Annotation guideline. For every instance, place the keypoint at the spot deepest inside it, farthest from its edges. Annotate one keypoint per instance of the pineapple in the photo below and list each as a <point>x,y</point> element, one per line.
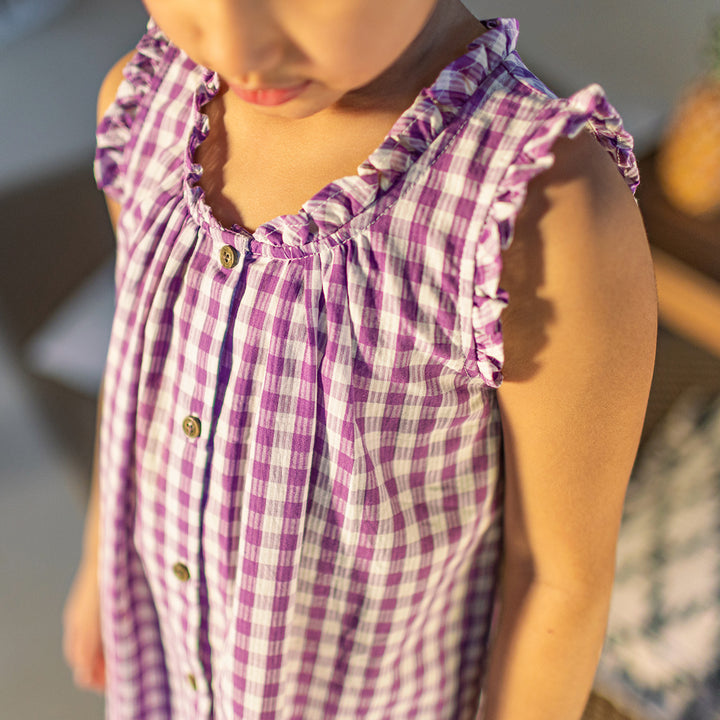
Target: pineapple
<point>688,160</point>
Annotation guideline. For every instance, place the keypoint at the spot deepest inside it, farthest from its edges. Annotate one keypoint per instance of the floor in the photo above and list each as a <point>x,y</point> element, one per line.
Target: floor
<point>41,508</point>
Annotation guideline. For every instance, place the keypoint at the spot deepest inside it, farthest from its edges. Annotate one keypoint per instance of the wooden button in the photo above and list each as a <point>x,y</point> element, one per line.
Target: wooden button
<point>191,426</point>
<point>181,572</point>
<point>228,256</point>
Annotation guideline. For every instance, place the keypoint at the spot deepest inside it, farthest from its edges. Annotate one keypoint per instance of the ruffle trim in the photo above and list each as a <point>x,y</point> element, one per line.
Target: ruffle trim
<point>194,194</point>
<point>114,130</point>
<point>558,118</point>
<point>409,138</point>
<point>438,105</point>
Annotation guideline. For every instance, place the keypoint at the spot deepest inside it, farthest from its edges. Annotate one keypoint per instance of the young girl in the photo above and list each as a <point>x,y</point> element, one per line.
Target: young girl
<point>321,456</point>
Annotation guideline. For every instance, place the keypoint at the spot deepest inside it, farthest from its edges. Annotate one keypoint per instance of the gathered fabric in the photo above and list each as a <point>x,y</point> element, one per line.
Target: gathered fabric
<point>300,458</point>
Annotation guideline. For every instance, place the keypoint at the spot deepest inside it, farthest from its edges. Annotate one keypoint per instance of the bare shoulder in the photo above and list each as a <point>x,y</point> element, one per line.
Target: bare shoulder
<point>579,336</point>
<point>580,254</point>
<point>111,83</point>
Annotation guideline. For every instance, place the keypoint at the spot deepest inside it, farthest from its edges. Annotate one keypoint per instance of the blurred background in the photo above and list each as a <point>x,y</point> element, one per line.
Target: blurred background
<point>663,654</point>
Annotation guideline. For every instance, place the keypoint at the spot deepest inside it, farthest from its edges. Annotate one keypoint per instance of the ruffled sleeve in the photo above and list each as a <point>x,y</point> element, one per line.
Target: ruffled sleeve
<point>558,117</point>
<point>114,132</point>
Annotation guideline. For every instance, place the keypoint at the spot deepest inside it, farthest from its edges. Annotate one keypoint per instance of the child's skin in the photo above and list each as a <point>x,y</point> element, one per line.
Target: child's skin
<point>579,332</point>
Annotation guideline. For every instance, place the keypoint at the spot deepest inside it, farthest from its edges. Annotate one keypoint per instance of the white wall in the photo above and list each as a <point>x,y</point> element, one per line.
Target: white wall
<point>642,51</point>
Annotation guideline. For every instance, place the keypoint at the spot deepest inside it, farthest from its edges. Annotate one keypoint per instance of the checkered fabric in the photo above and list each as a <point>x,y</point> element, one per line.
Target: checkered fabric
<point>301,505</point>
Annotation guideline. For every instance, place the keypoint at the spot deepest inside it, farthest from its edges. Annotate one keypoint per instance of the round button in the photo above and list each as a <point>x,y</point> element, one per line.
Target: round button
<point>191,426</point>
<point>181,572</point>
<point>228,256</point>
<point>192,682</point>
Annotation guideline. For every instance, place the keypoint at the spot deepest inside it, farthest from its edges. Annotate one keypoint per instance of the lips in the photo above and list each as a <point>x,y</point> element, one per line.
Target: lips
<point>269,96</point>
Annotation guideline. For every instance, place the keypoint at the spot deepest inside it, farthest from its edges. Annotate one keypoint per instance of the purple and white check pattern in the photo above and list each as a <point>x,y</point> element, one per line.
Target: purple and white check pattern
<point>338,517</point>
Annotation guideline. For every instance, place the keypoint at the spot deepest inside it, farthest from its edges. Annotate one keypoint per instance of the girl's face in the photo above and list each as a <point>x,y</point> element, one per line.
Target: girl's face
<point>293,58</point>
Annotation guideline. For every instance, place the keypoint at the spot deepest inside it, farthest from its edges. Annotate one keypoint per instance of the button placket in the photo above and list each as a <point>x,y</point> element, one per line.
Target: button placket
<point>197,396</point>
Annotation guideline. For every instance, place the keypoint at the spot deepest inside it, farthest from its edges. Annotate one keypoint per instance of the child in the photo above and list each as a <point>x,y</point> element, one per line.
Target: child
<point>308,465</point>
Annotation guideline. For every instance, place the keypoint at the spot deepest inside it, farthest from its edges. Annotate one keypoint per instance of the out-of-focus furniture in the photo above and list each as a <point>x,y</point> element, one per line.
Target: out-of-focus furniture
<point>686,252</point>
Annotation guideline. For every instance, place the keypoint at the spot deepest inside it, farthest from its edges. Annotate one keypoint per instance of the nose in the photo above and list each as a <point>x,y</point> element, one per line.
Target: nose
<point>247,42</point>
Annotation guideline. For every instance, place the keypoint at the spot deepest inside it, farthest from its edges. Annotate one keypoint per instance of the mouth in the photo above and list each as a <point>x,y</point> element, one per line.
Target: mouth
<point>269,96</point>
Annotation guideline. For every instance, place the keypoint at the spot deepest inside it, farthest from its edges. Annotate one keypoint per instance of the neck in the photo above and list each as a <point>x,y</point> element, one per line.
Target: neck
<point>444,38</point>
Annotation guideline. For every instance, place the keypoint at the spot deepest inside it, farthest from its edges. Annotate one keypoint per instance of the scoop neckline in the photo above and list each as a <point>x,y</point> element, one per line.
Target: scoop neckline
<point>321,218</point>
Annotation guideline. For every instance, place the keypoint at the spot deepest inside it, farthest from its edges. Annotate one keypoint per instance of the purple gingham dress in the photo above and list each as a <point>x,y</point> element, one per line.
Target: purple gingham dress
<point>300,444</point>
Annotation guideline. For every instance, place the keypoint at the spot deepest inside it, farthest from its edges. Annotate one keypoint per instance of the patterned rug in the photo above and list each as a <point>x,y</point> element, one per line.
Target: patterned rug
<point>662,655</point>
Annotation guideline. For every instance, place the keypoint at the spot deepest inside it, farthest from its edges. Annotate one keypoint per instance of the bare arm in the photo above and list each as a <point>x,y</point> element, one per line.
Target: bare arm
<point>82,644</point>
<point>579,342</point>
